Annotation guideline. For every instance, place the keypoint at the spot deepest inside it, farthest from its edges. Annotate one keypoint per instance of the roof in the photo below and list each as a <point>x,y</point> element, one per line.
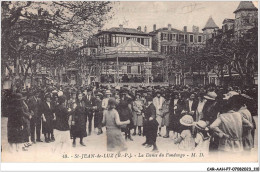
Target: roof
<point>124,30</point>
<point>245,5</point>
<point>166,29</point>
<point>210,24</point>
<point>131,51</point>
<point>228,21</point>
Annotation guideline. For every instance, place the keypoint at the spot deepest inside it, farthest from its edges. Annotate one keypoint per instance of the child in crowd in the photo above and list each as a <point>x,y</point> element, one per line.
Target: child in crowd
<point>202,137</point>
<point>186,141</point>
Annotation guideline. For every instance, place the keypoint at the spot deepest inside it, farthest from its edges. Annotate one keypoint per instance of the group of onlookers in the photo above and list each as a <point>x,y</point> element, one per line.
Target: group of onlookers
<point>204,119</point>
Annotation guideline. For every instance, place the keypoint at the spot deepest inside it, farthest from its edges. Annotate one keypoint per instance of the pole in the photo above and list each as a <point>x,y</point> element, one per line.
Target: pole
<point>148,71</point>
<point>117,70</point>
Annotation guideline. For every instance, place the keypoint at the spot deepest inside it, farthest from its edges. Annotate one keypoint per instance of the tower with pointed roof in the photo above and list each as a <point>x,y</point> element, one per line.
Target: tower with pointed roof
<point>209,28</point>
<point>245,17</point>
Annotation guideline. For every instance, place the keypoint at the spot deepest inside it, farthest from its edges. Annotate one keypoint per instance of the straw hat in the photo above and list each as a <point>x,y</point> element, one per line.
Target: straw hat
<point>230,94</point>
<point>202,125</point>
<point>108,92</point>
<point>210,96</point>
<point>186,120</point>
<point>60,93</point>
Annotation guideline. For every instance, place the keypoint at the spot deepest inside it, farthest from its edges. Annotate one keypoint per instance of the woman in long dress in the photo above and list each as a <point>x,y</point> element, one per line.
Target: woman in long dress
<point>115,141</point>
<point>15,124</point>
<point>137,114</point>
<point>166,115</point>
<point>228,127</point>
<point>78,127</point>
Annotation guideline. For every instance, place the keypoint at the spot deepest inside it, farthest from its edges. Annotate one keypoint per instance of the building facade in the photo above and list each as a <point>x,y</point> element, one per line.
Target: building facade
<point>173,42</point>
<point>110,38</point>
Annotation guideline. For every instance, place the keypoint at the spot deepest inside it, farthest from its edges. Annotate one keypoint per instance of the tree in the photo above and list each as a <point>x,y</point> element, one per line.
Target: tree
<point>63,24</point>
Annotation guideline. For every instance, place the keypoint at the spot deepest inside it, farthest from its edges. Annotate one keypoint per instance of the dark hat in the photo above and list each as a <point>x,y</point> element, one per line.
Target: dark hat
<point>73,92</point>
<point>138,93</point>
<point>99,94</point>
<point>47,95</point>
<point>149,98</point>
<point>158,92</point>
<point>62,99</point>
<point>55,95</point>
<point>19,96</point>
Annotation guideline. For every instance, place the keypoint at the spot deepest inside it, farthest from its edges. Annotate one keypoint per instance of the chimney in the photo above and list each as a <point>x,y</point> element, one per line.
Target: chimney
<point>169,27</point>
<point>154,27</point>
<point>145,29</point>
<point>121,27</point>
<point>139,28</point>
<point>185,29</point>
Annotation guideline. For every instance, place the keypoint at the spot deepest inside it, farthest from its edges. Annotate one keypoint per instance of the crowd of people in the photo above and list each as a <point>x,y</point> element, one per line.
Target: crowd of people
<point>205,118</point>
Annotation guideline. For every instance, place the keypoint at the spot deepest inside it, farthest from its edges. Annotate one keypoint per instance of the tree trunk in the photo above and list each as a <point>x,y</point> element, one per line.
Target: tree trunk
<point>230,81</point>
<point>222,75</point>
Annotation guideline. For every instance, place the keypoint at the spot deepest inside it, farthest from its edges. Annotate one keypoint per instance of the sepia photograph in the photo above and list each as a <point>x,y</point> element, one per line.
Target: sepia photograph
<point>129,81</point>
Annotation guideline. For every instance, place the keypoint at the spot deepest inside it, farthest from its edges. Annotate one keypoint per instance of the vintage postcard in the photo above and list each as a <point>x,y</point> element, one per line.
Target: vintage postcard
<point>129,81</point>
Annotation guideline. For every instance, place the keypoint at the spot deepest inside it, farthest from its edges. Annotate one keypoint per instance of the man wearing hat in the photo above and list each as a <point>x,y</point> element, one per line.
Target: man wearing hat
<point>105,100</point>
<point>98,113</point>
<point>90,107</point>
<point>150,125</point>
<point>210,109</point>
<point>210,112</point>
<point>48,117</point>
<point>34,104</point>
<point>158,102</point>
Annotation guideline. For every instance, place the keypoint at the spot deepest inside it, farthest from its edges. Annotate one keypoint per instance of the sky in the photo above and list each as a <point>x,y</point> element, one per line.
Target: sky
<point>179,13</point>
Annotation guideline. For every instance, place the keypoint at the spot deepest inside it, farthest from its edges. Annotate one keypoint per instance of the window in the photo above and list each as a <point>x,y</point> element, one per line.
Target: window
<point>128,69</point>
<point>164,49</point>
<point>246,20</point>
<point>199,38</point>
<point>139,69</point>
<point>113,40</point>
<point>164,36</point>
<point>138,40</point>
<point>127,38</point>
<point>191,38</point>
<point>173,36</point>
<point>181,38</point>
<point>170,49</point>
<point>142,41</point>
<point>117,40</point>
<point>169,37</point>
<point>146,42</point>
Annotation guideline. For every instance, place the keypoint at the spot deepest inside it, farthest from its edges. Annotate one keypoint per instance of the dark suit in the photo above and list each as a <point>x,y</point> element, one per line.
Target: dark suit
<point>89,103</point>
<point>26,121</point>
<point>47,126</point>
<point>36,123</point>
<point>193,107</point>
<point>150,126</point>
<point>98,114</point>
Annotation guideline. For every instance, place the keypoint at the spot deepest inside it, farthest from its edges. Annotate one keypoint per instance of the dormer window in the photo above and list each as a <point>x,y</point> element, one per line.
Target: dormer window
<point>191,38</point>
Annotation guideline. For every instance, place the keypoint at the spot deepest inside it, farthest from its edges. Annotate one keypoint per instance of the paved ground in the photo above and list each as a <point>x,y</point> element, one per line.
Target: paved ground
<point>96,145</point>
